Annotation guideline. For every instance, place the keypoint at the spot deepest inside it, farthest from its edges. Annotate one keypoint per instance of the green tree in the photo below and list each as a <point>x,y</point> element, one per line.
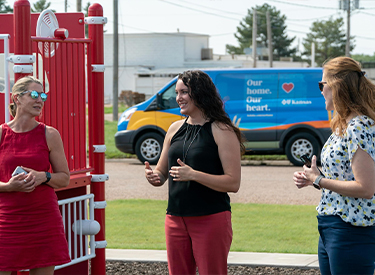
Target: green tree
<point>364,57</point>
<point>40,6</point>
<point>280,41</point>
<point>330,39</point>
<point>5,8</point>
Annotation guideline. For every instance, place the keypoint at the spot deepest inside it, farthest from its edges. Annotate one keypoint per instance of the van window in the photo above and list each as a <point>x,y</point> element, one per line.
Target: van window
<point>169,98</point>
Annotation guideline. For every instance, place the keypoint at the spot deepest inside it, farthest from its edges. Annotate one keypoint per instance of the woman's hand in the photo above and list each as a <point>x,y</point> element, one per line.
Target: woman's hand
<point>153,178</point>
<point>300,180</point>
<point>311,173</point>
<point>39,177</point>
<point>22,183</point>
<point>181,173</point>
<point>307,177</point>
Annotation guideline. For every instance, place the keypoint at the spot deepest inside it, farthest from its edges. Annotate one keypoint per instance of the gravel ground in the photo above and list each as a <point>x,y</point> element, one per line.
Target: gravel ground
<point>121,268</point>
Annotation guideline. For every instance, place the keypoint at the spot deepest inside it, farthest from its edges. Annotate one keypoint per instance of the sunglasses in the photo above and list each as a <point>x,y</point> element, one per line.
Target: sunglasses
<point>35,95</point>
<point>321,85</point>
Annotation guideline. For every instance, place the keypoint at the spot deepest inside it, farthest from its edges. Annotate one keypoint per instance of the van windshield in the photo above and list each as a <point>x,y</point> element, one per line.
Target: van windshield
<point>169,98</point>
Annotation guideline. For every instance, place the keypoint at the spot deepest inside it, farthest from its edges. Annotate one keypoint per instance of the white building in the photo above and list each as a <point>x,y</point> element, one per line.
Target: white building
<point>148,61</point>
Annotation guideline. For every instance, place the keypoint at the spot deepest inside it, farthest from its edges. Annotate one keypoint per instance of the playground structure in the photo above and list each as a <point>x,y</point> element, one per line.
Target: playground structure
<point>71,68</point>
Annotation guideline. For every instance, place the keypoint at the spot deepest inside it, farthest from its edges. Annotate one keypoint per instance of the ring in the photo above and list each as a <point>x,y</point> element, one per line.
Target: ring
<point>24,180</point>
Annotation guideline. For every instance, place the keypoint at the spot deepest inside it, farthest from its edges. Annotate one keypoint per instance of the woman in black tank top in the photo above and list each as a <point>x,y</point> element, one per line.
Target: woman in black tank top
<point>201,159</point>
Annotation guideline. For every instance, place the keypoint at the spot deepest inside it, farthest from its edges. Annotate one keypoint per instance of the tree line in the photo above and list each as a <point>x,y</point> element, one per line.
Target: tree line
<point>329,37</point>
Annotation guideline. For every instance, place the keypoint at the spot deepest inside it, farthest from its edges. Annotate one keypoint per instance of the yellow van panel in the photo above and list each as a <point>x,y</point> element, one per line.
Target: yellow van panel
<point>165,120</point>
<point>140,119</point>
<point>155,118</point>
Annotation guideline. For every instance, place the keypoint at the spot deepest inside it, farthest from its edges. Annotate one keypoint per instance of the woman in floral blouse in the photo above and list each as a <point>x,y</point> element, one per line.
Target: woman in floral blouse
<point>346,212</point>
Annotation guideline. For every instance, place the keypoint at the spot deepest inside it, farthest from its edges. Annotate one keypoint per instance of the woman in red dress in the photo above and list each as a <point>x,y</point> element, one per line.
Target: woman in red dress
<point>31,228</point>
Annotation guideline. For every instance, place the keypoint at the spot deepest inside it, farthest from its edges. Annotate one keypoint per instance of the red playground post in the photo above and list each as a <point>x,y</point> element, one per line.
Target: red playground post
<point>96,131</point>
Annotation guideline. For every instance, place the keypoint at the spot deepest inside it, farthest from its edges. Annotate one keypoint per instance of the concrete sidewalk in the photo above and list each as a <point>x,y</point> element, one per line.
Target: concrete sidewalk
<point>235,258</point>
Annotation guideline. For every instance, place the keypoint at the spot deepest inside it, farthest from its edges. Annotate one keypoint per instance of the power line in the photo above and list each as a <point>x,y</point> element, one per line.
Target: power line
<point>189,8</point>
<point>301,5</point>
<point>311,19</point>
<point>297,31</point>
<point>363,37</point>
<point>211,8</point>
<point>371,14</point>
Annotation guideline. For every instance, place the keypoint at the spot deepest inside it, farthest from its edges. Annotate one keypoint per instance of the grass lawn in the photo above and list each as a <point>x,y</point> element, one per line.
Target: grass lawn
<point>139,224</point>
<point>109,109</point>
<point>109,137</point>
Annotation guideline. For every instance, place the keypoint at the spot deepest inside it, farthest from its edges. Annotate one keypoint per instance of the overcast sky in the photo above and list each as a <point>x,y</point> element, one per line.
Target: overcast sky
<point>220,18</point>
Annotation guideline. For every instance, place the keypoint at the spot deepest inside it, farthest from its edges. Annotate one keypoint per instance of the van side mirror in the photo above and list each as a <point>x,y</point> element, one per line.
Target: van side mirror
<point>159,101</point>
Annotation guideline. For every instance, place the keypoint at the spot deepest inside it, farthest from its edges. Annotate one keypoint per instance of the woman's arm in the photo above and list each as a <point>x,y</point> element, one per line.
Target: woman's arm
<point>363,167</point>
<point>230,157</point>
<point>159,175</point>
<point>61,175</point>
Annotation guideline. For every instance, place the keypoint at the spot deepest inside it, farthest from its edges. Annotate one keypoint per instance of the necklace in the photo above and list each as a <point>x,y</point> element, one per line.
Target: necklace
<point>184,154</point>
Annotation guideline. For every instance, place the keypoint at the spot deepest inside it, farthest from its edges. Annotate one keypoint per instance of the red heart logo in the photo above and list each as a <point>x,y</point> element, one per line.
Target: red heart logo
<point>288,87</point>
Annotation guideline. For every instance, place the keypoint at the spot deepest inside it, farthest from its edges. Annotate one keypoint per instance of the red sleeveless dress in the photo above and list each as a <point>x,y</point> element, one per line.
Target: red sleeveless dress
<point>31,228</point>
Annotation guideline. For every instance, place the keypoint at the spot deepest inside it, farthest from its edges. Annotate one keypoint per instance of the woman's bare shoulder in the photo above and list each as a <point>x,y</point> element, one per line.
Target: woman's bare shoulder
<point>220,126</point>
<point>52,132</point>
<point>176,125</point>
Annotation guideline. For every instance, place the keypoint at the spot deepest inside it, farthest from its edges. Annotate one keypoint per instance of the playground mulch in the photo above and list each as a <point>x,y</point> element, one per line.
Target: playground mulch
<point>138,268</point>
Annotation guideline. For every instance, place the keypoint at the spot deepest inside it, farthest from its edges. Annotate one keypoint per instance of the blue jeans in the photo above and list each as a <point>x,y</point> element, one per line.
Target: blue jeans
<point>344,248</point>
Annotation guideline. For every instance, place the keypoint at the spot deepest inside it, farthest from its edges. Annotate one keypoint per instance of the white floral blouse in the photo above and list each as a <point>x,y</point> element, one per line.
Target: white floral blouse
<point>337,155</point>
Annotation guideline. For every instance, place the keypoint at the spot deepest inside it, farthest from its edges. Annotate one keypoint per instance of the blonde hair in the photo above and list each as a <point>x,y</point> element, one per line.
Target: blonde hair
<point>352,92</point>
<point>20,86</point>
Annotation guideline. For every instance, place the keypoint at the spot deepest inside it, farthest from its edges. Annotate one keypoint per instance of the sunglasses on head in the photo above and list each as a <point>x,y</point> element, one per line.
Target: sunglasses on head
<point>35,95</point>
<point>321,85</point>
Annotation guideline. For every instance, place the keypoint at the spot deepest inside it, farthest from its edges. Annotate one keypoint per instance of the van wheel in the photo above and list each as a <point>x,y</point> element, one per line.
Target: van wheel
<point>148,147</point>
<point>299,145</point>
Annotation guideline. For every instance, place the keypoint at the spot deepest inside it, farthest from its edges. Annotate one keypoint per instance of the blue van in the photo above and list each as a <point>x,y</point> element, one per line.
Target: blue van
<point>279,111</point>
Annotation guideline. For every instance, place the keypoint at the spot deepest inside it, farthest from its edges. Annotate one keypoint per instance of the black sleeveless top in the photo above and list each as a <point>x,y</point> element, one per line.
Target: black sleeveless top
<point>190,198</point>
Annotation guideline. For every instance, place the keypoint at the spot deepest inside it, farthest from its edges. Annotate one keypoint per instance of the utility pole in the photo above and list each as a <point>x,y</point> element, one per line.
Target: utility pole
<point>347,47</point>
<point>313,55</point>
<point>66,5</point>
<point>269,35</point>
<point>115,61</point>
<point>255,38</point>
<point>348,6</point>
<point>79,5</point>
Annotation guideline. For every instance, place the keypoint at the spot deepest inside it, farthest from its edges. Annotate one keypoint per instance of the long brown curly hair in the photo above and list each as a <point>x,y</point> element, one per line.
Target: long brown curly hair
<point>352,92</point>
<point>205,96</point>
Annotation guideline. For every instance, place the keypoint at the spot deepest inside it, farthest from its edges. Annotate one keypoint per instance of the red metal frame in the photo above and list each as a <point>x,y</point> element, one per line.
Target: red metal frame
<point>67,76</point>
<point>96,130</point>
<point>22,33</point>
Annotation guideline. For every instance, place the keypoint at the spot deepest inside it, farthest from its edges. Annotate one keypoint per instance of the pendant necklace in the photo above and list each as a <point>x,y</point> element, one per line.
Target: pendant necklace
<point>184,154</point>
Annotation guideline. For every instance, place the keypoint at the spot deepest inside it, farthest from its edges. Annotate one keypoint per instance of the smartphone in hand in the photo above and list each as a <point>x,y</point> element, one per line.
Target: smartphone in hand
<point>18,170</point>
<point>307,161</point>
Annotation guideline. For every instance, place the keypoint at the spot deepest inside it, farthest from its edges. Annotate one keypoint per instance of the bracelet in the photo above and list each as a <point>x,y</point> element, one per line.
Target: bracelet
<point>317,181</point>
<point>48,176</point>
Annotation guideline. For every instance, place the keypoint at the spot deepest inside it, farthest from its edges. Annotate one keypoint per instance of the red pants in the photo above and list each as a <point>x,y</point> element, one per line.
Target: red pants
<point>202,241</point>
